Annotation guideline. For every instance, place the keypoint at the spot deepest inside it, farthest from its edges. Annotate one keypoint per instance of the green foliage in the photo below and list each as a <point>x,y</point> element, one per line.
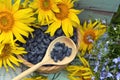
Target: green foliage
<point>116,17</point>
<point>114,38</point>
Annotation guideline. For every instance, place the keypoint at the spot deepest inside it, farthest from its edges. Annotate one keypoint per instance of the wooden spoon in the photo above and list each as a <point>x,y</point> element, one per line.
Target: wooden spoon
<point>47,58</point>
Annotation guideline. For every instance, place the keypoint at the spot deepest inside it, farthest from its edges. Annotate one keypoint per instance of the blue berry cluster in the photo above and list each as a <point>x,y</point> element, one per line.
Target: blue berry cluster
<point>37,44</point>
<point>60,51</point>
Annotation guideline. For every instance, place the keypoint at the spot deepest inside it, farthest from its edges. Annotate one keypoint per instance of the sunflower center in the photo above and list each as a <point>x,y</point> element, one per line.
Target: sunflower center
<point>64,11</point>
<point>45,4</point>
<point>6,50</point>
<point>89,37</point>
<point>6,21</point>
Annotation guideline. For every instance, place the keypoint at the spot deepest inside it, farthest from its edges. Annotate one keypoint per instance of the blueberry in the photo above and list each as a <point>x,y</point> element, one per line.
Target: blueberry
<point>29,56</point>
<point>52,38</point>
<point>68,53</point>
<point>46,41</point>
<point>60,56</point>
<point>34,62</point>
<point>43,51</point>
<point>39,40</point>
<point>59,32</point>
<point>58,49</point>
<point>32,53</point>
<point>55,59</point>
<point>44,28</point>
<point>26,57</point>
<point>37,45</point>
<point>65,49</point>
<point>39,58</point>
<point>57,44</point>
<point>62,44</point>
<point>52,54</point>
<point>30,41</point>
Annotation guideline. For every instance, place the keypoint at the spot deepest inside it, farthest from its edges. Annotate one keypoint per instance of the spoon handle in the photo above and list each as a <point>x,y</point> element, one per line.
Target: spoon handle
<point>28,71</point>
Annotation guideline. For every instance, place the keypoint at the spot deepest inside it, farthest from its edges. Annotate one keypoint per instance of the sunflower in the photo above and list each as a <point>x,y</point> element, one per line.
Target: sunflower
<point>45,9</point>
<point>14,21</point>
<point>80,72</point>
<point>76,72</point>
<point>89,33</point>
<point>8,53</point>
<point>66,18</point>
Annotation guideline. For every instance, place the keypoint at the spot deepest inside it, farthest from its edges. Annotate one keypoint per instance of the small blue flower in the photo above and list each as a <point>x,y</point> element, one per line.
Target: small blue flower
<point>113,66</point>
<point>103,68</point>
<point>103,75</point>
<point>118,76</point>
<point>109,74</point>
<point>96,69</point>
<point>99,56</point>
<point>119,66</point>
<point>116,60</point>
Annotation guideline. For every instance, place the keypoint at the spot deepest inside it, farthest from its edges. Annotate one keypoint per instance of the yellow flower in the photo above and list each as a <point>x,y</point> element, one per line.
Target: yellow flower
<point>8,54</point>
<point>45,10</point>
<point>36,78</point>
<point>66,18</point>
<point>79,73</point>
<point>89,33</point>
<point>83,60</point>
<point>14,21</point>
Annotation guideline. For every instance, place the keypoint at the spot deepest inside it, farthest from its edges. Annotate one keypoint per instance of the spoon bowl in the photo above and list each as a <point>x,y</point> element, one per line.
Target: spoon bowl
<point>47,58</point>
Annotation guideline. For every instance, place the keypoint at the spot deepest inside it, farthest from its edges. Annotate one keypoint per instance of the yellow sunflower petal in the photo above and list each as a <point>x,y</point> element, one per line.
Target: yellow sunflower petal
<point>16,6</point>
<point>11,37</point>
<point>83,60</point>
<point>8,4</point>
<point>23,26</point>
<point>2,36</point>
<point>20,48</point>
<point>7,37</point>
<point>95,23</point>
<point>27,20</point>
<point>86,74</point>
<point>84,25</point>
<point>71,68</point>
<point>34,4</point>
<point>22,32</point>
<point>9,64</point>
<point>5,65</point>
<point>0,63</point>
<point>1,48</point>
<point>55,8</point>
<point>65,27</point>
<point>54,27</point>
<point>90,47</point>
<point>70,29</point>
<point>40,17</point>
<point>76,11</point>
<point>23,14</point>
<point>13,60</point>
<point>19,52</point>
<point>18,36</point>
<point>74,18</point>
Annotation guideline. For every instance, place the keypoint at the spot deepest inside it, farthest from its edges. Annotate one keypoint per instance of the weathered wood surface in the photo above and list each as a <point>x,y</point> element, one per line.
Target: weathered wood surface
<point>97,9</point>
<point>93,9</point>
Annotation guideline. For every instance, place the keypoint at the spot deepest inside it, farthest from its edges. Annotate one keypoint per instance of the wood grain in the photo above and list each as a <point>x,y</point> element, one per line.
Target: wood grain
<point>97,9</point>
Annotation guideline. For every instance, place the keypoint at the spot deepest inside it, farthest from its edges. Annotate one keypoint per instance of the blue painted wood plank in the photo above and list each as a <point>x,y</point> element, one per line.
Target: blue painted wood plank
<point>97,9</point>
<point>91,14</point>
<point>102,5</point>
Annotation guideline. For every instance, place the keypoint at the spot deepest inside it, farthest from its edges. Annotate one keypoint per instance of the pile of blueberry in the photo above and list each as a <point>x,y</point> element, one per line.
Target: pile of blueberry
<point>37,44</point>
<point>60,51</point>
